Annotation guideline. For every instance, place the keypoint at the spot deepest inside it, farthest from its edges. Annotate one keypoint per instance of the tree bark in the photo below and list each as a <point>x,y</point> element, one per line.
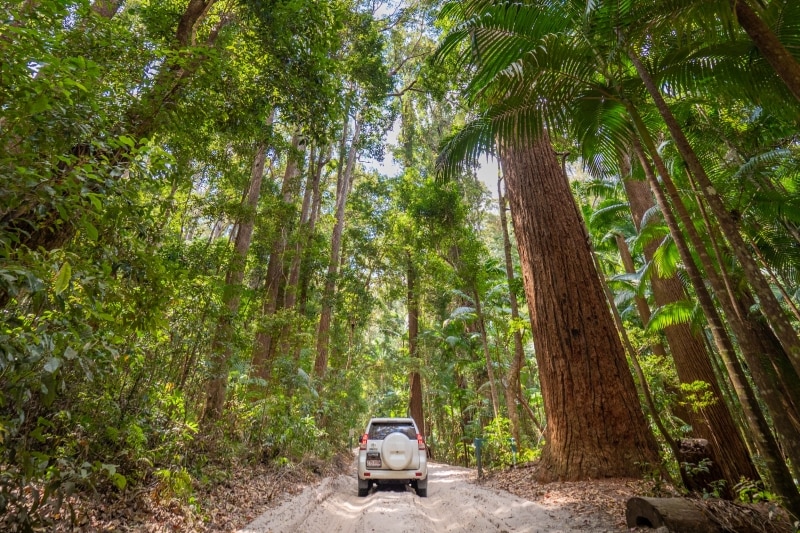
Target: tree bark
<point>342,190</point>
<point>761,435</point>
<point>596,427</point>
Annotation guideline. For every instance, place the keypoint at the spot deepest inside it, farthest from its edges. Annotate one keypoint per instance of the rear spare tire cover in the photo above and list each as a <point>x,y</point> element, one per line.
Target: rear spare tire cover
<point>396,451</point>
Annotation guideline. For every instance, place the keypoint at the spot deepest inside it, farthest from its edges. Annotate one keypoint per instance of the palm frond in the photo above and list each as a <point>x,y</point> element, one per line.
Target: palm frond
<point>672,314</point>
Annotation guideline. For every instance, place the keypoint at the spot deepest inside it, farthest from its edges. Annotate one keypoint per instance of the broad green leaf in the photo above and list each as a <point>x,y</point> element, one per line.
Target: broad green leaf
<point>52,364</point>
<point>91,231</point>
<point>62,278</point>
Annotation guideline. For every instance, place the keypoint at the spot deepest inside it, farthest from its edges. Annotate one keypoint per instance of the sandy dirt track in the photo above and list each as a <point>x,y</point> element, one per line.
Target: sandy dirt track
<point>454,503</point>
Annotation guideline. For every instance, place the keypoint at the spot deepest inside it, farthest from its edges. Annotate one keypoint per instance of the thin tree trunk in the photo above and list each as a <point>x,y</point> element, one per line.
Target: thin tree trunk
<point>514,388</point>
<point>642,307</point>
<point>342,189</point>
<point>760,432</point>
<point>263,355</point>
<point>693,363</point>
<point>775,389</point>
<point>638,372</point>
<point>486,354</point>
<point>415,406</point>
<point>221,344</point>
<point>596,427</point>
<point>769,303</point>
<point>774,52</point>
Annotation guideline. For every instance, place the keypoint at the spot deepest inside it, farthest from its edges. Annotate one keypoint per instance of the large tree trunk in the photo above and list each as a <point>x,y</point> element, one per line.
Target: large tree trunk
<point>769,303</point>
<point>415,405</point>
<point>693,362</point>
<point>596,427</point>
<point>342,190</point>
<point>775,53</point>
<point>513,389</point>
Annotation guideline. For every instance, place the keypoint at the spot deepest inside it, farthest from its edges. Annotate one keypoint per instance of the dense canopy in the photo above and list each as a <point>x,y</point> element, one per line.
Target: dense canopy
<point>232,231</point>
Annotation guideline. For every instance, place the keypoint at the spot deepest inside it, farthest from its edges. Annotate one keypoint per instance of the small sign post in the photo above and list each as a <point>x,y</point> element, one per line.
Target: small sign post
<point>478,443</point>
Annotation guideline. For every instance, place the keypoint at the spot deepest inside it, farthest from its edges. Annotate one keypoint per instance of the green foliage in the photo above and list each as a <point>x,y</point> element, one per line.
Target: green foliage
<point>698,395</point>
<point>749,491</point>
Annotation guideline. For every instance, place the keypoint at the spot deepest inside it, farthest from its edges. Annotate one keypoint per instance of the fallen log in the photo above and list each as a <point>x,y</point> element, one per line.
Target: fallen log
<point>678,515</point>
<point>686,515</point>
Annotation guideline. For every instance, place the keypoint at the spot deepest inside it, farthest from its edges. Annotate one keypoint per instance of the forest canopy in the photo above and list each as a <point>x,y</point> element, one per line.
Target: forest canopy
<point>231,231</point>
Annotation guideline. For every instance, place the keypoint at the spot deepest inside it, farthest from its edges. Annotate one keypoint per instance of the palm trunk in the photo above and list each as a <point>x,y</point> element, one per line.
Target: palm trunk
<point>693,363</point>
<point>596,427</point>
<point>776,54</point>
<point>342,190</point>
<point>642,307</point>
<point>769,303</point>
<point>765,442</point>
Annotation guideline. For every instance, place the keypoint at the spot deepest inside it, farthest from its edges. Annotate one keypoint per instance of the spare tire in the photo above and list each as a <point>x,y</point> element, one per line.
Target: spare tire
<point>397,450</point>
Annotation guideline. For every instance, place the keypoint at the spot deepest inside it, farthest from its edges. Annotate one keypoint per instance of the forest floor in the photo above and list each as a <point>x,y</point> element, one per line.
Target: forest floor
<point>321,497</point>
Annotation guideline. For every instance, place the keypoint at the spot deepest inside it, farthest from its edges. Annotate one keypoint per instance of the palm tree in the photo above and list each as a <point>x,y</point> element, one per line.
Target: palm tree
<point>538,66</point>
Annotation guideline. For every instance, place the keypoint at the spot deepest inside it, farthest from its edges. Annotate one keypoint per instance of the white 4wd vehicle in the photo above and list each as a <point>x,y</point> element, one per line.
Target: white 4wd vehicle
<point>390,451</point>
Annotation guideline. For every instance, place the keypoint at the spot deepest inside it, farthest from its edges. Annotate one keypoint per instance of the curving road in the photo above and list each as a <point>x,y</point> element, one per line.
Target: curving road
<point>454,503</point>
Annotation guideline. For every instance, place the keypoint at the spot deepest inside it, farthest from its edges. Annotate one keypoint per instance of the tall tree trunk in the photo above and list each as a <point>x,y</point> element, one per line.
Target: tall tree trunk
<point>596,427</point>
<point>769,303</point>
<point>264,353</point>
<point>514,389</point>
<point>761,435</point>
<point>775,53</point>
<point>415,405</point>
<point>693,362</point>
<point>487,355</point>
<point>342,190</point>
<point>221,344</point>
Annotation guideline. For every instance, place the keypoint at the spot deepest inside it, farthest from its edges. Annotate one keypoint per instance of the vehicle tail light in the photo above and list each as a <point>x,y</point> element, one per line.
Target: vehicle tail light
<point>420,442</point>
<point>363,445</point>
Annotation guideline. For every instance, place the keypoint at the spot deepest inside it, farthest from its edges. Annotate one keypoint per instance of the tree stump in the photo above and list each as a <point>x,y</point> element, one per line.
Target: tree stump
<point>703,473</point>
<point>678,515</point>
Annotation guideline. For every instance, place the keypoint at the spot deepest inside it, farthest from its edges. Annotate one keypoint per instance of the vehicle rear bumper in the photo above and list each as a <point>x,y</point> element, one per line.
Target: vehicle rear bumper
<point>380,474</point>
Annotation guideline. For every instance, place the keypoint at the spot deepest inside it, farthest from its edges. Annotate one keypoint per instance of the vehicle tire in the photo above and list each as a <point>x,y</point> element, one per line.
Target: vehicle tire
<point>422,493</point>
<point>363,487</point>
<point>397,450</point>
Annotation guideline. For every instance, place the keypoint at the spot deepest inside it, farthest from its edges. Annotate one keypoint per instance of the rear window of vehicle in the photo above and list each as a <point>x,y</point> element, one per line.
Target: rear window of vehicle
<point>380,430</point>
